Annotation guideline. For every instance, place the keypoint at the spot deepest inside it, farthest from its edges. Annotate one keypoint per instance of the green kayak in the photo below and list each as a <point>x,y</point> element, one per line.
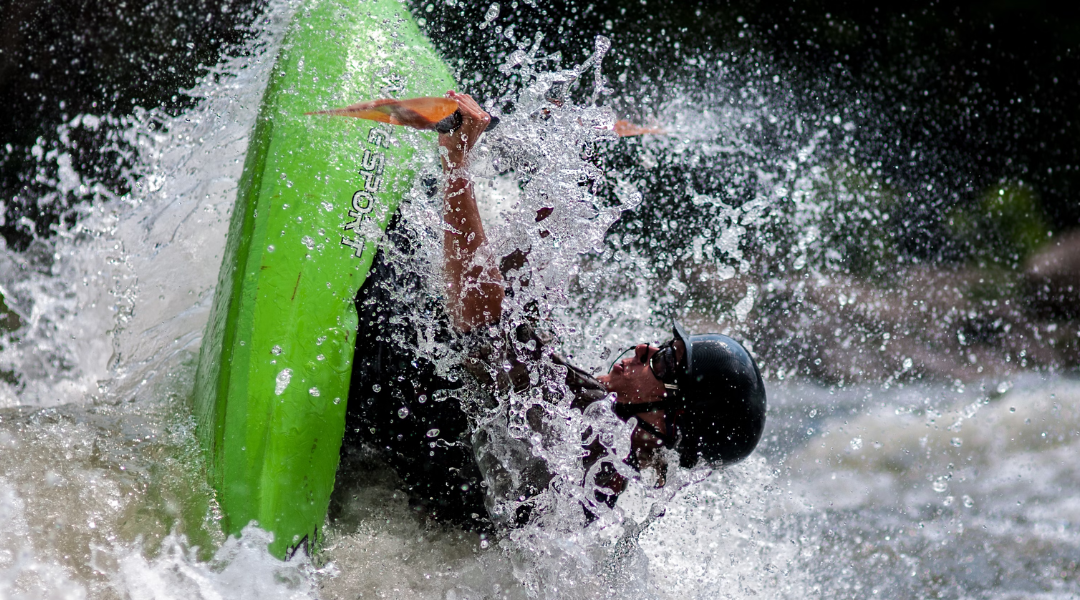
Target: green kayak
<point>316,192</point>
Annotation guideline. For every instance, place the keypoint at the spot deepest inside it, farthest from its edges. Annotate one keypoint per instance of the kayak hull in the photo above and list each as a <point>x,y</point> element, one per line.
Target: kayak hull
<point>315,194</point>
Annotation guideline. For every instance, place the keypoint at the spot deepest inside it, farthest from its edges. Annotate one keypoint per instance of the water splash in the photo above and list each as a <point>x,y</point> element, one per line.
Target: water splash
<point>543,188</point>
<point>76,292</point>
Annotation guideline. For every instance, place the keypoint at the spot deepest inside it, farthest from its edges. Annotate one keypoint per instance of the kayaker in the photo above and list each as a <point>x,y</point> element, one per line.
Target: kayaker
<point>701,395</point>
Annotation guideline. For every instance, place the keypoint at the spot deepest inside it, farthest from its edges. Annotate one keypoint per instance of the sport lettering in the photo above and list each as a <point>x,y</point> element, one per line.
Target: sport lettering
<point>372,181</point>
<point>373,161</point>
<point>363,200</point>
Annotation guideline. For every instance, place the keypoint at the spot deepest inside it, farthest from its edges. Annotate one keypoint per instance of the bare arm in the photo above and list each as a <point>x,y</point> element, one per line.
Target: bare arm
<point>474,284</point>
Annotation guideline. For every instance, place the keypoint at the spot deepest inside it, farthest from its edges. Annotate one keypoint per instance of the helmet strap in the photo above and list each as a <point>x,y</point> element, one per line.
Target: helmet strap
<point>672,431</point>
<point>663,437</point>
<point>625,411</point>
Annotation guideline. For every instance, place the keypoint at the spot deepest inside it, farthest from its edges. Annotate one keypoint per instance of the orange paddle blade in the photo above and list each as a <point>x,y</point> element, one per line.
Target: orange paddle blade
<point>419,113</point>
<point>628,129</point>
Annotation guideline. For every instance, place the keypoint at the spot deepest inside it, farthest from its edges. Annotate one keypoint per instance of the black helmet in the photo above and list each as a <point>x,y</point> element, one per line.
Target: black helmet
<point>719,407</point>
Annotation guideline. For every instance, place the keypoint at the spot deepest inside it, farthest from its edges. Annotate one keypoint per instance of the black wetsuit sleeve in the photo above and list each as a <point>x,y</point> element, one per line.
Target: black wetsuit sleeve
<point>504,362</point>
<point>585,387</point>
<point>399,406</point>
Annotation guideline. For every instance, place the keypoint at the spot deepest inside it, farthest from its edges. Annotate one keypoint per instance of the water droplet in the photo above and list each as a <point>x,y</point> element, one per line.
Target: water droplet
<point>743,308</point>
<point>968,502</point>
<point>320,357</point>
<point>307,241</point>
<point>403,412</point>
<point>376,388</point>
<point>276,350</point>
<point>907,363</point>
<point>1012,409</point>
<point>314,391</point>
<point>957,442</point>
<point>282,381</point>
<point>270,248</point>
<point>948,500</point>
<point>856,443</point>
<point>434,432</point>
<point>940,486</point>
<point>421,399</point>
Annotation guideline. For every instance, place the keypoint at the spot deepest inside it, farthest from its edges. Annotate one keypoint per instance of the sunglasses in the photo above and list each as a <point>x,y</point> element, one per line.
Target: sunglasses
<point>663,364</point>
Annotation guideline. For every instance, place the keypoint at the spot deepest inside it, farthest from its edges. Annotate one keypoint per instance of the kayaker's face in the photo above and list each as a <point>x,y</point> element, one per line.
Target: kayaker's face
<point>633,382</point>
<point>631,378</point>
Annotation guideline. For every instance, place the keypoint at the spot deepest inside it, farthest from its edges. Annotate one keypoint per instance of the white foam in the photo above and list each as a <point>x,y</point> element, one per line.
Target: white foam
<point>241,569</point>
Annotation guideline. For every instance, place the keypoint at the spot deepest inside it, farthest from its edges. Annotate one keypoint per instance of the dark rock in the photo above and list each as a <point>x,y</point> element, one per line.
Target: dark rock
<point>1052,276</point>
<point>930,323</point>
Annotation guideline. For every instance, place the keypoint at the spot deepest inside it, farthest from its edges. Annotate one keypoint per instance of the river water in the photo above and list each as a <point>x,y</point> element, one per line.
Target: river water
<point>899,488</point>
